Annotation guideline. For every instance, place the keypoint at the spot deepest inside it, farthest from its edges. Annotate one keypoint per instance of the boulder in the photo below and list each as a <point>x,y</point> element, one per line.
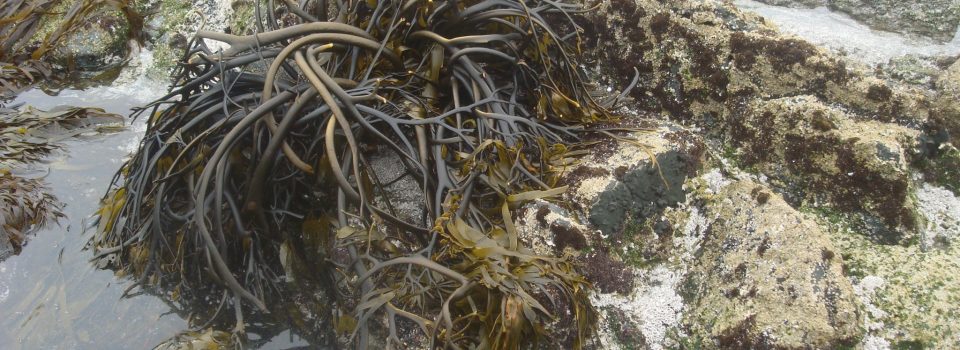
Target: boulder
<point>86,37</point>
<point>100,42</point>
<point>819,155</point>
<point>767,277</point>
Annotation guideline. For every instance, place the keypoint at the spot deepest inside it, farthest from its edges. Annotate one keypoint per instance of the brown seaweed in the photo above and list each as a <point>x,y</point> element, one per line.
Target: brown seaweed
<point>259,159</point>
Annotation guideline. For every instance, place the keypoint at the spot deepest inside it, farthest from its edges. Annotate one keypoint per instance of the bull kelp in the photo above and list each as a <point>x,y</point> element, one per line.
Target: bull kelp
<point>258,167</point>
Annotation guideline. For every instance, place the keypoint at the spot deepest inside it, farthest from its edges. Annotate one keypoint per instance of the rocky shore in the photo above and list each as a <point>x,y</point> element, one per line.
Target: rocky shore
<point>774,195</point>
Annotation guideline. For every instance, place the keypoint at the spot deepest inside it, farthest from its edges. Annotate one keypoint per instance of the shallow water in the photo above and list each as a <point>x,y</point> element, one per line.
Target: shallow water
<point>51,297</point>
<point>843,34</point>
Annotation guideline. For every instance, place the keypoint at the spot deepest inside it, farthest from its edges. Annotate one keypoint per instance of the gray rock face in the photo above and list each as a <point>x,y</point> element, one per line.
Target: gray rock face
<point>937,19</point>
<point>639,193</point>
<point>767,277</point>
<point>623,182</point>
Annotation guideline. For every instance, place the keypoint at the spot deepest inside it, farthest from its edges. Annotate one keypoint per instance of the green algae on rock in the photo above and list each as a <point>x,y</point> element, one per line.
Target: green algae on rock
<point>910,295</point>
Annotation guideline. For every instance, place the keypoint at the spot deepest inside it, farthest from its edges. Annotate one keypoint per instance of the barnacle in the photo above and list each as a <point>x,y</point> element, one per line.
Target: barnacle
<point>259,161</point>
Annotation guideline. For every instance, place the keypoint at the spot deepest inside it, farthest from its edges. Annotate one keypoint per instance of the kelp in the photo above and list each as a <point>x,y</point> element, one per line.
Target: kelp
<point>258,168</point>
<point>26,205</point>
<point>207,339</point>
<point>14,78</point>
<point>28,134</point>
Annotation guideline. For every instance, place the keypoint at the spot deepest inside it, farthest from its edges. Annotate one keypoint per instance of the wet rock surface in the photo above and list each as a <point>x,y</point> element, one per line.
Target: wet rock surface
<point>97,44</point>
<point>85,36</point>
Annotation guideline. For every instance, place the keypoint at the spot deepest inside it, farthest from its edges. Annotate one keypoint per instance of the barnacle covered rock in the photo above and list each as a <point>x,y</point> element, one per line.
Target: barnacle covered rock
<point>821,136</point>
<point>822,156</point>
<point>766,276</point>
<point>706,64</point>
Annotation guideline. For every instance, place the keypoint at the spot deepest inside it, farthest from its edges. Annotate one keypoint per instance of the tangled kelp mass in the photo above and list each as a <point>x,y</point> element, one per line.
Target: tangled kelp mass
<point>258,165</point>
<point>14,78</point>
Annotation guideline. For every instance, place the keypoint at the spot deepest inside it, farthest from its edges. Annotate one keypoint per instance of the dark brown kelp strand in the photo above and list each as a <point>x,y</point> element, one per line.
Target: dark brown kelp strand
<point>266,154</point>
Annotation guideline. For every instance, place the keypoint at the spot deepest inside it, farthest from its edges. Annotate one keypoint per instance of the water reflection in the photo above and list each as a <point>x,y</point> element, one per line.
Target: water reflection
<point>51,297</point>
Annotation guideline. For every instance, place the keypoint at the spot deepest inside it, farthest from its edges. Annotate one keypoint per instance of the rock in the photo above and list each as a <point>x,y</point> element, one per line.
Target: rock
<point>647,317</point>
<point>939,157</point>
<point>645,177</point>
<point>100,42</point>
<point>615,192</point>
<point>636,181</point>
<point>914,69</point>
<point>909,294</point>
<point>937,19</point>
<point>706,64</point>
<point>173,24</point>
<point>767,277</point>
<point>947,103</point>
<point>940,209</point>
<point>820,155</point>
<point>701,60</point>
<point>98,37</point>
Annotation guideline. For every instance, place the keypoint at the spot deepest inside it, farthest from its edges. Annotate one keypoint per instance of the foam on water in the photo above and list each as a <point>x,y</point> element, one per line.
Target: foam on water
<point>843,34</point>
